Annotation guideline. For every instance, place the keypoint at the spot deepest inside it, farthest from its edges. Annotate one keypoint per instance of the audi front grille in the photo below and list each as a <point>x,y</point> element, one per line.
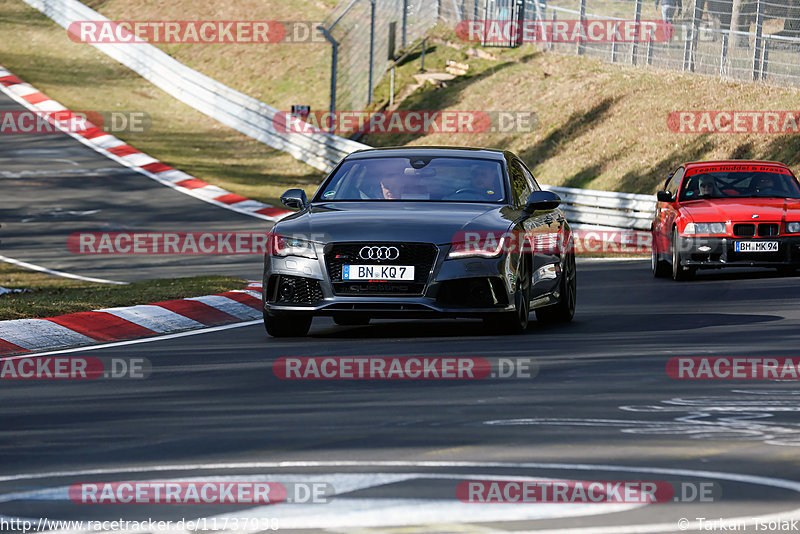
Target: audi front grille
<point>419,255</point>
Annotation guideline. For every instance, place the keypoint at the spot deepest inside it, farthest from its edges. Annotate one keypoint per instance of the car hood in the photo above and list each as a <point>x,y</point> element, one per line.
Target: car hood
<point>430,222</point>
<point>743,209</point>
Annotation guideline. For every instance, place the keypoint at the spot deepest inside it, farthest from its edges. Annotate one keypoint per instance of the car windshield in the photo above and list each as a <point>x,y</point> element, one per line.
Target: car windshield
<point>740,184</point>
<point>418,178</point>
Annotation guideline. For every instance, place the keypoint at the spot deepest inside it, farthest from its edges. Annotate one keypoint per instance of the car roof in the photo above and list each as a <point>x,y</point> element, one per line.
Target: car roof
<point>437,151</point>
<point>699,164</point>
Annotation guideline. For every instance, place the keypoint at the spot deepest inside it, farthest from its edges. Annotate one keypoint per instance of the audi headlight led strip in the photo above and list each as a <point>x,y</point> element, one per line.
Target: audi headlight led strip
<point>290,246</point>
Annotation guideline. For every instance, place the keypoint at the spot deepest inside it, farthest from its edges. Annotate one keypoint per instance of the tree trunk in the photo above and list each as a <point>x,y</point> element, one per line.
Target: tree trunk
<point>738,24</point>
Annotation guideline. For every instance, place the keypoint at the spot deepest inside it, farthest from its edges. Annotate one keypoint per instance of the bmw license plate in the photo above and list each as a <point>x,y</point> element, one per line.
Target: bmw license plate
<point>756,246</point>
<point>378,272</point>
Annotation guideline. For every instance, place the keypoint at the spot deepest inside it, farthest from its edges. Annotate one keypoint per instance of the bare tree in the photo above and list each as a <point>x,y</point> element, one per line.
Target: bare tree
<point>740,23</point>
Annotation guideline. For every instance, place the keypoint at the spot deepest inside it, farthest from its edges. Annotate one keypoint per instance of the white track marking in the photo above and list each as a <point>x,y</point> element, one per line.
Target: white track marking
<point>154,318</point>
<point>706,417</point>
<point>41,269</point>
<point>40,334</point>
<point>229,306</point>
<point>643,528</point>
<point>136,341</point>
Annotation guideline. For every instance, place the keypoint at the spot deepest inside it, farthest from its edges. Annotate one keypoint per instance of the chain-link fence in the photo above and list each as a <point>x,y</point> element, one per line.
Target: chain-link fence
<point>365,35</point>
<point>739,39</point>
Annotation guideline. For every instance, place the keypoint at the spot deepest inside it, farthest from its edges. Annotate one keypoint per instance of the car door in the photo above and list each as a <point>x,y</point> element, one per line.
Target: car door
<point>538,228</point>
<point>666,212</point>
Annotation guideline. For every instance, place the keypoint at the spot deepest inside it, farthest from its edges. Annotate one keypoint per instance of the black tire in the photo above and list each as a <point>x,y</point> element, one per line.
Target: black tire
<point>515,322</point>
<point>350,320</point>
<point>679,273</point>
<point>564,311</point>
<point>659,267</point>
<point>287,324</point>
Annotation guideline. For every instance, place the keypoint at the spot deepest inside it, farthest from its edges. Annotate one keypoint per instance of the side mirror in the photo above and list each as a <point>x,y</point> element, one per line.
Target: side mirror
<point>542,200</point>
<point>294,198</point>
<point>664,196</point>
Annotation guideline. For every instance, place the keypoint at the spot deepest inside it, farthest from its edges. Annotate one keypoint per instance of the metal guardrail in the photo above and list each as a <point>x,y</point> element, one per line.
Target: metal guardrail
<point>606,208</point>
<point>237,110</point>
<point>320,150</point>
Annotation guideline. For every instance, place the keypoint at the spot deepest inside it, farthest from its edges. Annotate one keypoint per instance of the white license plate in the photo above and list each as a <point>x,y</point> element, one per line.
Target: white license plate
<point>756,246</point>
<point>378,272</point>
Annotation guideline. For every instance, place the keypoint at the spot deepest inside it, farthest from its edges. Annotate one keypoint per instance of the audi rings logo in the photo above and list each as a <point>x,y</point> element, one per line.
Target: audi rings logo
<point>379,253</point>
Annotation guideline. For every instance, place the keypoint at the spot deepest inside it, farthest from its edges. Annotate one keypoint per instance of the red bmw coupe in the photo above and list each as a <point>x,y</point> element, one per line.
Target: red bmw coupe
<point>718,214</point>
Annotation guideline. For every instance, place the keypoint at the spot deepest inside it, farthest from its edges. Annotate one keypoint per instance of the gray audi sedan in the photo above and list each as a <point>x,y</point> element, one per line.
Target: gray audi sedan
<point>421,232</point>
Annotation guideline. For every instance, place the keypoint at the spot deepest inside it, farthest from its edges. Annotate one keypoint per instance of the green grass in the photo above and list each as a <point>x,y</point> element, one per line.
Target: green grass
<point>51,296</point>
<point>82,78</point>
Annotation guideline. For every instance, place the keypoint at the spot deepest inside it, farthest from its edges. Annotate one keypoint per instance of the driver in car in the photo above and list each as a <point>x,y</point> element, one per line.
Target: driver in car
<point>708,187</point>
<point>483,186</point>
<point>766,186</point>
<point>391,187</point>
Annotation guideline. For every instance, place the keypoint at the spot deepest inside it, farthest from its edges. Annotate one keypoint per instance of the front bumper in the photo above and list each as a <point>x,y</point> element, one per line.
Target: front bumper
<point>718,252</point>
<point>468,287</point>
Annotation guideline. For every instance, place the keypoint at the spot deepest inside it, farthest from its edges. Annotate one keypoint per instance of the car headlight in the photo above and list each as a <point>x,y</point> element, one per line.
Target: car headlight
<point>290,246</point>
<point>793,227</point>
<point>487,248</point>
<point>705,228</point>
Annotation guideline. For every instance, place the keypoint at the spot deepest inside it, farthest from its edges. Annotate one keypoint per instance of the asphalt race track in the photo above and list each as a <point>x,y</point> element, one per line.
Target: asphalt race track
<point>52,186</point>
<point>601,407</point>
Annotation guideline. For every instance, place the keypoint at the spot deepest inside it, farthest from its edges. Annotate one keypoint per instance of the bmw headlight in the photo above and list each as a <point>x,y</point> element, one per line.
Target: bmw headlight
<point>793,227</point>
<point>715,228</point>
<point>290,246</point>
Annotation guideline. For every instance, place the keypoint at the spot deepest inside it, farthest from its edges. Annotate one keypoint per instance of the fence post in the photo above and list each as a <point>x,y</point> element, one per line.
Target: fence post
<point>614,49</point>
<point>649,51</point>
<point>405,23</point>
<point>371,47</point>
<point>550,40</point>
<point>334,67</point>
<point>723,55</point>
<point>539,14</point>
<point>424,46</point>
<point>581,45</point>
<point>696,16</point>
<point>637,17</point>
<point>758,42</point>
<point>765,60</point>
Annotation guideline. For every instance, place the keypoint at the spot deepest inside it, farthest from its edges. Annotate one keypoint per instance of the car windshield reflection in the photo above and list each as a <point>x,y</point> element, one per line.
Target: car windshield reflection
<point>435,179</point>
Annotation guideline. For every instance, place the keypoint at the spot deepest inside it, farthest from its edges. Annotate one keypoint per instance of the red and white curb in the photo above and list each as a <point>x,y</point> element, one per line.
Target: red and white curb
<point>124,154</point>
<point>23,336</point>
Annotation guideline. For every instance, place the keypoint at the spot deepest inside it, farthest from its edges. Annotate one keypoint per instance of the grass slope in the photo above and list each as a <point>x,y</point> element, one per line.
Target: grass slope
<point>601,126</point>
